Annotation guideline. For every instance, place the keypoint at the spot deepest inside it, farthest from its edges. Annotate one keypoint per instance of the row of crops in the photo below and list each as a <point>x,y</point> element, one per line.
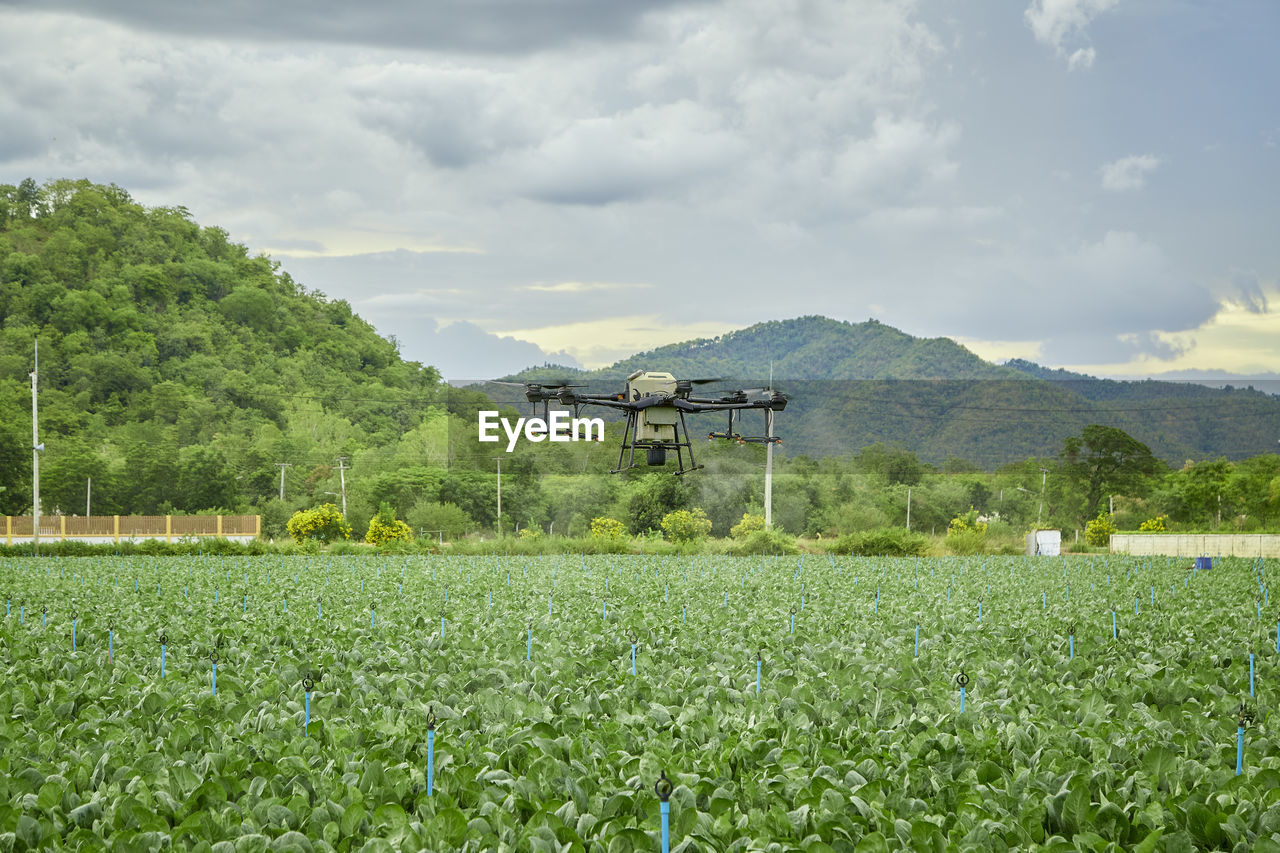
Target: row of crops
<point>812,704</point>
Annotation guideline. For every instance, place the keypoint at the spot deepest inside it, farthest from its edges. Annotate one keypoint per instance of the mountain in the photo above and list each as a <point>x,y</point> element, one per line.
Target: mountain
<point>854,384</point>
<point>175,368</point>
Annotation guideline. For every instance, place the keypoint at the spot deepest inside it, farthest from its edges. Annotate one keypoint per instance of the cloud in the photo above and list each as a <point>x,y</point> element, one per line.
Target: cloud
<point>463,350</point>
<point>1250,292</point>
<point>597,343</point>
<point>1101,301</point>
<point>1058,23</point>
<point>1081,58</point>
<point>1128,173</point>
<point>581,286</point>
<point>493,26</point>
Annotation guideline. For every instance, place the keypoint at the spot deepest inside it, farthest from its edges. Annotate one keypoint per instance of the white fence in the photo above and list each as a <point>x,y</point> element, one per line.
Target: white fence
<point>1197,544</point>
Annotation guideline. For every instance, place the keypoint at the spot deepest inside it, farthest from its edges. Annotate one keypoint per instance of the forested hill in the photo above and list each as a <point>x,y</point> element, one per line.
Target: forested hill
<point>175,369</point>
<point>854,384</point>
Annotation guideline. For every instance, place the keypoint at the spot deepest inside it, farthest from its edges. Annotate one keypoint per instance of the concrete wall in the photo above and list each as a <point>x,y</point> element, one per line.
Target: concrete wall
<point>1197,544</point>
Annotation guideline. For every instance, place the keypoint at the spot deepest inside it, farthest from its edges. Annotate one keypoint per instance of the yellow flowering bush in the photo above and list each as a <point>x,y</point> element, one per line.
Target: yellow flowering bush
<point>1159,524</point>
<point>607,528</point>
<point>749,524</point>
<point>385,527</point>
<point>686,525</point>
<point>1098,531</point>
<point>323,523</point>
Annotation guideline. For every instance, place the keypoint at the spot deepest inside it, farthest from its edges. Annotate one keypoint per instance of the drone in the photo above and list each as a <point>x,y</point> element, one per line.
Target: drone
<point>656,404</point>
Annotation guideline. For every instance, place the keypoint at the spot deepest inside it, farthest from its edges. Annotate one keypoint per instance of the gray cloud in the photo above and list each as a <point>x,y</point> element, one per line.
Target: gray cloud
<point>738,160</point>
<point>497,26</point>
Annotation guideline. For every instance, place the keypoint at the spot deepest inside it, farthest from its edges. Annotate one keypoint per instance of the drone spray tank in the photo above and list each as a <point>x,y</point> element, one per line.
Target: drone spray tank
<point>656,424</point>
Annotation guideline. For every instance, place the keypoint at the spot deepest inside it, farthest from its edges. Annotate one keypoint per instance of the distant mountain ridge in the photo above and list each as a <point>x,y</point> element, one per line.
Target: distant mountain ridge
<point>854,384</point>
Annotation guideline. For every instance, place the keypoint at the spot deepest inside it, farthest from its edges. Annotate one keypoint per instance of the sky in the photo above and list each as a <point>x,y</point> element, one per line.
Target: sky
<point>1090,184</point>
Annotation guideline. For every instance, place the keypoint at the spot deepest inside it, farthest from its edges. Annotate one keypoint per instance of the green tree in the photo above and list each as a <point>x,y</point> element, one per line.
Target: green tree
<point>1105,460</point>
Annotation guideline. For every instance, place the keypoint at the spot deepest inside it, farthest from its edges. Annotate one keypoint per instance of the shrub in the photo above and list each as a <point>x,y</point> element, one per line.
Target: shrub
<point>323,523</point>
<point>685,525</point>
<point>886,542</point>
<point>772,542</point>
<point>385,527</point>
<point>967,542</point>
<point>750,524</point>
<point>967,523</point>
<point>607,528</point>
<point>531,532</point>
<point>431,517</point>
<point>1155,525</point>
<point>1098,531</point>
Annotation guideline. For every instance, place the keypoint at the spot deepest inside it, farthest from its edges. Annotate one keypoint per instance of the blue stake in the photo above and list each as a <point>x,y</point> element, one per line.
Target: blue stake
<point>604,609</point>
<point>684,617</point>
<point>757,675</point>
<point>1239,750</point>
<point>1072,640</point>
<point>306,722</point>
<point>73,632</point>
<point>162,645</point>
<point>431,751</point>
<point>319,608</point>
<point>663,789</point>
<point>1114,635</point>
<point>529,653</point>
<point>111,645</point>
<point>214,661</point>
<point>1250,673</point>
<point>917,654</point>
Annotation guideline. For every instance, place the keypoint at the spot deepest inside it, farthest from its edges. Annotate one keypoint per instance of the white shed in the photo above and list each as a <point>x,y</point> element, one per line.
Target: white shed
<point>1044,543</point>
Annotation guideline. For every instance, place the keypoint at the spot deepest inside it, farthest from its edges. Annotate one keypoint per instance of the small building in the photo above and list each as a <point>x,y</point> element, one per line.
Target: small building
<point>1044,543</point>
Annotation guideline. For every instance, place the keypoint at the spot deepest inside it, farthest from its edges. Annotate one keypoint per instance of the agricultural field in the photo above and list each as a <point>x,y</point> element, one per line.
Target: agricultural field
<point>793,704</point>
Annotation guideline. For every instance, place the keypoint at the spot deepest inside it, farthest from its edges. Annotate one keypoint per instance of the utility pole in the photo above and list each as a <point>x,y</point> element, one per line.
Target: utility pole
<point>768,463</point>
<point>282,466</point>
<point>36,447</point>
<point>1044,475</point>
<point>498,459</point>
<point>908,508</point>
<point>768,458</point>
<point>342,476</point>
<point>88,497</point>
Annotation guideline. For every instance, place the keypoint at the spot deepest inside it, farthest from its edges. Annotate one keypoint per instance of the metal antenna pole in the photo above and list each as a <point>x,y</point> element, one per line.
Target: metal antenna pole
<point>498,459</point>
<point>35,455</point>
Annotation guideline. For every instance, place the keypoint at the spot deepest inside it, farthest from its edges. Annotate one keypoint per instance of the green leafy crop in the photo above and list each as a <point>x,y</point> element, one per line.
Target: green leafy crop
<point>1072,737</point>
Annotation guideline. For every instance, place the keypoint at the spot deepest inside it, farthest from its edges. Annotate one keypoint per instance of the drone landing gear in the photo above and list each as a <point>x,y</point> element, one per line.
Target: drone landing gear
<point>655,451</point>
